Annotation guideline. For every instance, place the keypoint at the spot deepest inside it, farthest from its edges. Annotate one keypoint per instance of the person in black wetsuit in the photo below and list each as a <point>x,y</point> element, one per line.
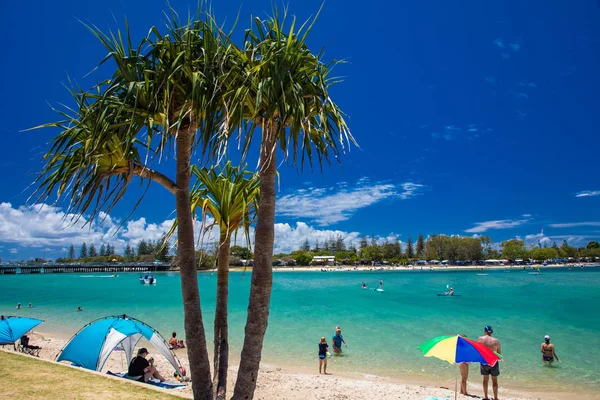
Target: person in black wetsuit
<point>323,346</point>
<point>142,368</point>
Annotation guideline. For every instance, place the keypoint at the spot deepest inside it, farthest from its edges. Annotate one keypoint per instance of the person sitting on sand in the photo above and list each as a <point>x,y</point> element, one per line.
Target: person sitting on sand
<point>323,347</point>
<point>174,343</point>
<point>79,308</point>
<point>337,340</point>
<point>141,369</point>
<point>548,352</point>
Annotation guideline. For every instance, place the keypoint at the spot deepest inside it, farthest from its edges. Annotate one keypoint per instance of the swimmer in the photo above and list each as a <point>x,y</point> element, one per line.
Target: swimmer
<point>548,352</point>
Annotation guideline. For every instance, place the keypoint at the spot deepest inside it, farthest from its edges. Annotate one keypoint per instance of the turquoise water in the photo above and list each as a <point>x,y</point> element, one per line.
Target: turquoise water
<point>383,330</point>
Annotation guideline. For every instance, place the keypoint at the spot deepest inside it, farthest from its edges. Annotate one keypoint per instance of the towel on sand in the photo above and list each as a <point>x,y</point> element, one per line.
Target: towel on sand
<point>153,381</point>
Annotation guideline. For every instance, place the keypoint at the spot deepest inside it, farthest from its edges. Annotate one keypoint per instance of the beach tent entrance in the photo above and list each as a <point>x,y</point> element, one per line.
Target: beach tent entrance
<point>12,328</point>
<point>92,345</point>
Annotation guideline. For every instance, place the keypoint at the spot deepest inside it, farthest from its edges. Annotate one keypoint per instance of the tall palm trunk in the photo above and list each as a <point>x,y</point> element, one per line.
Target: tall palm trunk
<point>194,327</point>
<point>221,358</point>
<point>262,272</point>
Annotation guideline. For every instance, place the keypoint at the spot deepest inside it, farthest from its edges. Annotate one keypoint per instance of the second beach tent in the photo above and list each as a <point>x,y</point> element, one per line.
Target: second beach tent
<point>92,345</point>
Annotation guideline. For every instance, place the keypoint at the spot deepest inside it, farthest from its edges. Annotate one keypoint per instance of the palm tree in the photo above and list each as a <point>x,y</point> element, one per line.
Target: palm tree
<point>163,101</point>
<point>283,90</point>
<point>231,197</point>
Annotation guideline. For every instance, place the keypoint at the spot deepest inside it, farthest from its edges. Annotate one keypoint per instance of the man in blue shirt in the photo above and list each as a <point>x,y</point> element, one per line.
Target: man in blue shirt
<point>337,340</point>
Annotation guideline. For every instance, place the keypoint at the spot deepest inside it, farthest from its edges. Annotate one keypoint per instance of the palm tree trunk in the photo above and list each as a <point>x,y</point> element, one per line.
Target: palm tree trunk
<point>262,271</point>
<point>221,359</point>
<point>194,327</point>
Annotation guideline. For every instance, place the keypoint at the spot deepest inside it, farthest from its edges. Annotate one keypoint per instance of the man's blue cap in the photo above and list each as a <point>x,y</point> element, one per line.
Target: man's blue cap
<point>488,328</point>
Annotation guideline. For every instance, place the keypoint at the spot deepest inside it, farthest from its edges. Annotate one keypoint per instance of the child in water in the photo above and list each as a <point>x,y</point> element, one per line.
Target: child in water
<point>323,346</point>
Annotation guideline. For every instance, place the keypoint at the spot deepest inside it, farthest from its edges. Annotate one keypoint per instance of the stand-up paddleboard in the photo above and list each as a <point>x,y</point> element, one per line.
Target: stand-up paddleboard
<point>449,295</point>
<point>482,274</point>
<point>378,290</point>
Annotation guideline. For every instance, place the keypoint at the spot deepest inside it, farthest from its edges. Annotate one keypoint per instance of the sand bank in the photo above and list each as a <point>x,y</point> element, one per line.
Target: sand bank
<point>300,384</point>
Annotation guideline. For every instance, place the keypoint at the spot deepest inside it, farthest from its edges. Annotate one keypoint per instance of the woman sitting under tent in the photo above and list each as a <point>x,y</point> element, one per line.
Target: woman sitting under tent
<point>141,369</point>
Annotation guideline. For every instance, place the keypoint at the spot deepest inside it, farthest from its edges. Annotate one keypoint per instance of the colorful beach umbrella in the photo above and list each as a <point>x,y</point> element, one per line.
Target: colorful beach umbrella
<point>458,349</point>
<point>12,328</point>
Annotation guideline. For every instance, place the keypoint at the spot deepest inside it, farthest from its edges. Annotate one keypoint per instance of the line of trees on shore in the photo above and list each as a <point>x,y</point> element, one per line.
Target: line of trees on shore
<point>145,251</point>
<point>436,247</point>
<point>370,250</point>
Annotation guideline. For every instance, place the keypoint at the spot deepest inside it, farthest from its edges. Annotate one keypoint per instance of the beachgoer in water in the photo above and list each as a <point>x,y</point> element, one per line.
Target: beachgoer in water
<point>464,374</point>
<point>364,285</point>
<point>18,306</point>
<point>174,343</point>
<point>323,347</point>
<point>30,306</point>
<point>450,292</point>
<point>143,369</point>
<point>337,340</point>
<point>548,352</point>
<point>487,370</point>
<point>79,308</point>
<point>381,284</point>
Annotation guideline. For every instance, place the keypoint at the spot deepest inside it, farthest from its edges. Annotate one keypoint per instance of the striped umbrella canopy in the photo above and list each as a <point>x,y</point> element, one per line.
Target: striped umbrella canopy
<point>457,349</point>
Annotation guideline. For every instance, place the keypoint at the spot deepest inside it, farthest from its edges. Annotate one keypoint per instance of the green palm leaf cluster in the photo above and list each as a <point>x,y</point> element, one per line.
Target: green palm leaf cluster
<point>282,84</point>
<point>230,195</point>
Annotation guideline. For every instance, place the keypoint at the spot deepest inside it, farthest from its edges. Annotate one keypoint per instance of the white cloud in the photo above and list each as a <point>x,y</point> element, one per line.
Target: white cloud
<point>574,224</point>
<point>44,226</point>
<point>497,224</point>
<point>514,46</point>
<point>330,205</point>
<point>13,251</point>
<point>410,189</point>
<point>526,215</point>
<point>588,193</point>
<point>499,42</point>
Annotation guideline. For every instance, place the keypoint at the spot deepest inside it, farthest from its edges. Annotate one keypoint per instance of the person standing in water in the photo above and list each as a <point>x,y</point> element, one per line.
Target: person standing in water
<point>381,284</point>
<point>486,370</point>
<point>323,346</point>
<point>548,352</point>
<point>337,340</point>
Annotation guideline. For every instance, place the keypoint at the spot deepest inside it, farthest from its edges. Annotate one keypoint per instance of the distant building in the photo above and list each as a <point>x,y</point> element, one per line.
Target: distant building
<point>323,260</point>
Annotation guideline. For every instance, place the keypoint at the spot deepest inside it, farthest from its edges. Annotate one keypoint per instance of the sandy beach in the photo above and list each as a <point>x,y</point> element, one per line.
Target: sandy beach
<point>296,384</point>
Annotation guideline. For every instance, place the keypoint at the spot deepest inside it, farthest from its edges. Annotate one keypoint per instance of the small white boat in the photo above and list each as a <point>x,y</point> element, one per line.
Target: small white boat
<point>148,279</point>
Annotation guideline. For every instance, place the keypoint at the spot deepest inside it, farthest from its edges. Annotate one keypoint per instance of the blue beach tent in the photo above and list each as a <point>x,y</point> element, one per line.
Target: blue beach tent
<point>12,328</point>
<point>92,345</point>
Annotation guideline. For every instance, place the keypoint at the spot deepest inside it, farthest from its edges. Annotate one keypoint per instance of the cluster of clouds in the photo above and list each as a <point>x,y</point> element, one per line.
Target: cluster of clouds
<point>454,132</point>
<point>326,206</point>
<point>505,47</point>
<point>43,226</point>
<point>538,238</point>
<point>39,228</point>
<point>481,227</point>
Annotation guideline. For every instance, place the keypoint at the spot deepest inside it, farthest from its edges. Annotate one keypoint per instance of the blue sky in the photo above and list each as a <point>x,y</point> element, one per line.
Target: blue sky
<point>472,118</point>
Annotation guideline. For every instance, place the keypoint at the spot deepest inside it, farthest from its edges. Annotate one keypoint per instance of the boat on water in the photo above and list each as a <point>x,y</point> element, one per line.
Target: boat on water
<point>148,279</point>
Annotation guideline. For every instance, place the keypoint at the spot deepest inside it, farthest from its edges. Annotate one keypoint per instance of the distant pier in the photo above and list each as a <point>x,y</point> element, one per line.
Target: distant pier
<point>51,268</point>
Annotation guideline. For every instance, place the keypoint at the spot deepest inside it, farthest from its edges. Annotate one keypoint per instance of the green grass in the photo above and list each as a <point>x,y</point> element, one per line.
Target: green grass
<point>27,378</point>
